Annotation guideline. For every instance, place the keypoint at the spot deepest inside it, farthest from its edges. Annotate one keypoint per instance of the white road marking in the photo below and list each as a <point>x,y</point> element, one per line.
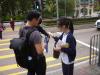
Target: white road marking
<point>77,64</point>
<point>87,45</point>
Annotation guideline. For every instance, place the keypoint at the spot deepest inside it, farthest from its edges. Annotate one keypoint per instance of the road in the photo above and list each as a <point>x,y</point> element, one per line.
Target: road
<point>8,64</point>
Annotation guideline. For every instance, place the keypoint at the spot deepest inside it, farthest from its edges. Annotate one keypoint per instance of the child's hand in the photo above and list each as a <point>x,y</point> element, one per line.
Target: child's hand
<point>61,44</point>
<point>56,49</point>
<point>65,45</point>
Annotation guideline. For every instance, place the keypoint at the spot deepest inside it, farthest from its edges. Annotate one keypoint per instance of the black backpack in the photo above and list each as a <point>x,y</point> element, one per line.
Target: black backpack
<point>23,49</point>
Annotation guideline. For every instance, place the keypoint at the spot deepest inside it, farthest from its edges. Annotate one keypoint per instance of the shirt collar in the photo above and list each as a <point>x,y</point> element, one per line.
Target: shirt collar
<point>66,33</point>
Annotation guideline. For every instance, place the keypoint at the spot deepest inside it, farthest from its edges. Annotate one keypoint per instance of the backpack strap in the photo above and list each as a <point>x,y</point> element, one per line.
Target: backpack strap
<point>31,48</point>
<point>29,33</point>
<point>21,32</point>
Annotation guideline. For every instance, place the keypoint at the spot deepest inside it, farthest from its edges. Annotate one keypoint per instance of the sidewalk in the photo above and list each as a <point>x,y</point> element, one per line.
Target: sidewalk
<point>86,69</point>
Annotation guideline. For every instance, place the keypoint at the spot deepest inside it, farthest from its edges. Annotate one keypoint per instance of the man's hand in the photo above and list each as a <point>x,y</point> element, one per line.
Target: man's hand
<point>51,34</point>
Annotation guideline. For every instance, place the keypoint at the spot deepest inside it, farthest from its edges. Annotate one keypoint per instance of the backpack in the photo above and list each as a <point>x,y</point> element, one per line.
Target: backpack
<point>22,49</point>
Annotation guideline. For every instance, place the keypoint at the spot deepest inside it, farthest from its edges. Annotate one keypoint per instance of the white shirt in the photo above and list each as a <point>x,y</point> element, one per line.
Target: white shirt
<point>64,56</point>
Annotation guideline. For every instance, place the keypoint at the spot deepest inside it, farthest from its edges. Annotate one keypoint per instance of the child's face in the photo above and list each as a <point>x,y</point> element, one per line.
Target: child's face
<point>63,28</point>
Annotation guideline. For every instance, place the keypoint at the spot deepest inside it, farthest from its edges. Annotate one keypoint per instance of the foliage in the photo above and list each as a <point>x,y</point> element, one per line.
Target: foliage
<point>70,5</point>
<point>19,8</point>
<point>13,8</point>
<point>97,5</point>
<point>50,8</point>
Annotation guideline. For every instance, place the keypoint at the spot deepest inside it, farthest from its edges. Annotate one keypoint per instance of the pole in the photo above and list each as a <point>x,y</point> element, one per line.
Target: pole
<point>65,9</point>
<point>40,7</point>
<point>0,12</point>
<point>99,52</point>
<point>57,9</point>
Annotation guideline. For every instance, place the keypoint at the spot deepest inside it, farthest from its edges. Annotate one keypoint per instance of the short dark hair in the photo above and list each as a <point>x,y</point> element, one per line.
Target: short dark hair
<point>63,21</point>
<point>33,14</point>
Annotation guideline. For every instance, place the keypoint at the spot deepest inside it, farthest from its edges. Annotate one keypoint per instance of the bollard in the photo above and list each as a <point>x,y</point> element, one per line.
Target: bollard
<point>99,52</point>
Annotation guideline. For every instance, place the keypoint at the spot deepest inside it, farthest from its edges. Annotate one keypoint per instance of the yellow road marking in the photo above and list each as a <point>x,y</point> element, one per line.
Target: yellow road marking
<point>6,56</point>
<point>79,59</point>
<point>10,30</point>
<point>8,67</point>
<point>18,73</point>
<point>12,55</point>
<point>5,40</point>
<point>26,71</point>
<point>54,65</point>
<point>51,66</point>
<point>4,44</point>
<point>49,59</point>
<point>4,49</point>
<point>14,66</point>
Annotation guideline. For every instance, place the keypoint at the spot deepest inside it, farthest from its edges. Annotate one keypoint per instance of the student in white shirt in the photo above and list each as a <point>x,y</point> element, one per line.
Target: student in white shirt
<point>66,45</point>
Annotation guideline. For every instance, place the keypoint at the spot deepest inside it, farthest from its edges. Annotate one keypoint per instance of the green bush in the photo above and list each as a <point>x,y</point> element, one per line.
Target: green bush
<point>6,18</point>
<point>75,21</point>
<point>18,17</point>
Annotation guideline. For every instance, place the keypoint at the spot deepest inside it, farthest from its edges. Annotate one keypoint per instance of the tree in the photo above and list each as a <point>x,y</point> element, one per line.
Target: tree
<point>19,8</point>
<point>13,8</point>
<point>50,8</point>
<point>97,5</point>
<point>70,7</point>
<point>61,7</point>
<point>25,5</point>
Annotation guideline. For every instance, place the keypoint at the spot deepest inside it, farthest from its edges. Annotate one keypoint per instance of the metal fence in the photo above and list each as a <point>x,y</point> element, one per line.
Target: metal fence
<point>95,50</point>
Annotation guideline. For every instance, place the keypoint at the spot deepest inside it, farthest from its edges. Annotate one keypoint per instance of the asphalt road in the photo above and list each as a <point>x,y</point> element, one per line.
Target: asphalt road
<point>8,64</point>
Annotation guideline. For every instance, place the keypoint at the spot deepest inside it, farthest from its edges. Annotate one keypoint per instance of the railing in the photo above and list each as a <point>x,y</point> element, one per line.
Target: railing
<point>95,50</point>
